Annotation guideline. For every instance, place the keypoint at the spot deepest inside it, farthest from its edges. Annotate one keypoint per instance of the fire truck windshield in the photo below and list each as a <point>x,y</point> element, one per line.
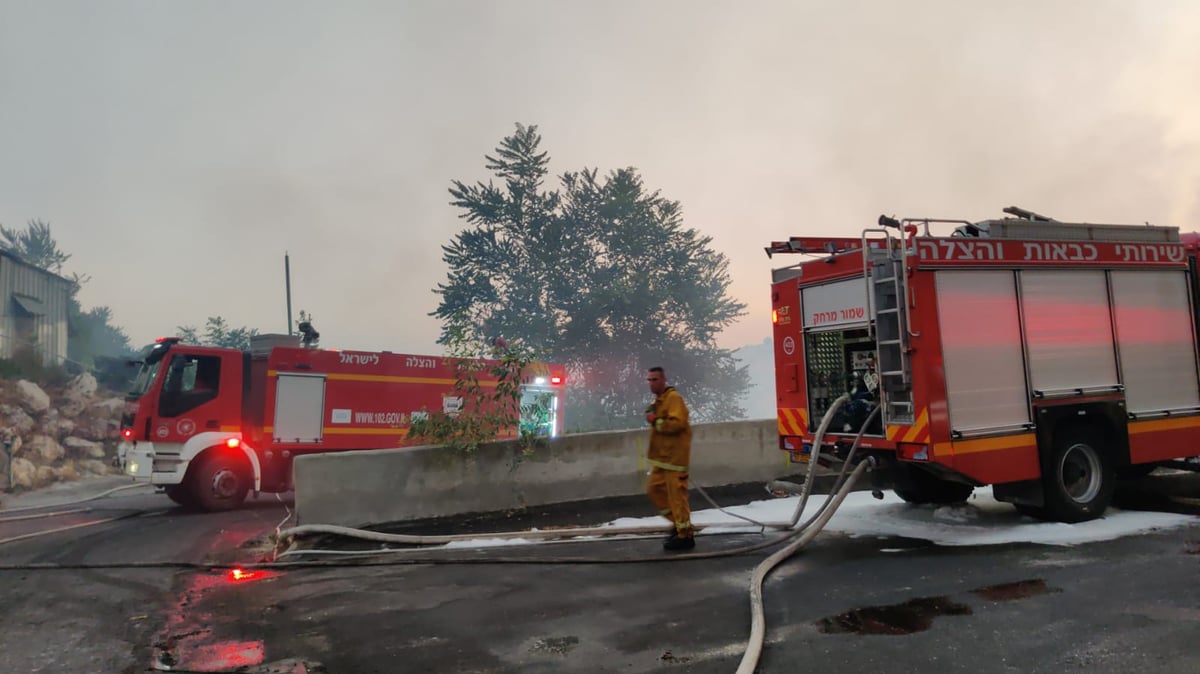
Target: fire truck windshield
<point>144,378</point>
<point>149,360</point>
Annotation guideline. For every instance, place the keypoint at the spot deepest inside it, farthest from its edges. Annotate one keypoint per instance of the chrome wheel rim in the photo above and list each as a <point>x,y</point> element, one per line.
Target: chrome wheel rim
<point>1079,473</point>
<point>225,483</point>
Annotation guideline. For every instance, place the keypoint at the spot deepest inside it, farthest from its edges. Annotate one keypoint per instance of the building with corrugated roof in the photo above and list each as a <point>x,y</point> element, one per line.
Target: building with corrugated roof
<point>33,309</point>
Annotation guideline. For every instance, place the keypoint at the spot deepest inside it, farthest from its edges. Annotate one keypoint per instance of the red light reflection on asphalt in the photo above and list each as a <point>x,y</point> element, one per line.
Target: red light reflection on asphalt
<point>224,656</point>
<point>191,640</point>
<point>240,575</point>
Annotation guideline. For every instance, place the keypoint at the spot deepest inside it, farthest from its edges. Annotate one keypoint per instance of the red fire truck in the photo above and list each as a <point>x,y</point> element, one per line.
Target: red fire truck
<point>1043,358</point>
<point>210,424</point>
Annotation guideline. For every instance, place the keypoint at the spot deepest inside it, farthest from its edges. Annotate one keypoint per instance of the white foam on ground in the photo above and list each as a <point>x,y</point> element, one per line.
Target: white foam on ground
<point>982,520</point>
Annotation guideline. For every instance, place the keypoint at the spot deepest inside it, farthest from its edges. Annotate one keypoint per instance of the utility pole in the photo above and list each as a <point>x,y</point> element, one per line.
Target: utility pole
<point>287,281</point>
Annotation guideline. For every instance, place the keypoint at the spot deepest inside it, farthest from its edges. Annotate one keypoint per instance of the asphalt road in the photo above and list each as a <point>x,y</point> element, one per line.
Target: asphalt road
<point>95,615</point>
<point>844,604</point>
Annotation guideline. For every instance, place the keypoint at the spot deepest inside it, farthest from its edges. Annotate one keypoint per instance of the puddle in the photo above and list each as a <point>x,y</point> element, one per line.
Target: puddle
<point>914,615</point>
<point>670,657</point>
<point>555,645</point>
<point>1022,589</point>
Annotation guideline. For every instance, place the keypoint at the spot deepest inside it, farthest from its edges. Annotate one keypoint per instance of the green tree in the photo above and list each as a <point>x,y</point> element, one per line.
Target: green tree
<point>488,386</point>
<point>600,274</point>
<point>218,333</point>
<point>36,245</point>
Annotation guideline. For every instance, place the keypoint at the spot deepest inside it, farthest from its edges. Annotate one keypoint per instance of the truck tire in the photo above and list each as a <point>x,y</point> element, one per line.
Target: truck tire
<point>1136,471</point>
<point>181,494</point>
<point>220,481</point>
<point>919,486</point>
<point>1077,477</point>
<point>1036,512</point>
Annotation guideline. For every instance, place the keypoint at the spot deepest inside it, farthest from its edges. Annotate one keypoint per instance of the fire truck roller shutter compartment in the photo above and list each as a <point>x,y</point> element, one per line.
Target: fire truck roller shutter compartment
<point>982,352</point>
<point>1068,331</point>
<point>1157,345</point>
<point>299,407</point>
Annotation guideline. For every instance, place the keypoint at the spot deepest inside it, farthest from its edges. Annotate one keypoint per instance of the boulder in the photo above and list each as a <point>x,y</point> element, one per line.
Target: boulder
<point>94,467</point>
<point>24,473</point>
<point>82,387</point>
<point>16,419</point>
<point>85,449</point>
<point>77,396</point>
<point>100,421</point>
<point>57,436</point>
<point>32,397</point>
<point>45,475</point>
<point>43,449</point>
<point>112,406</point>
<point>57,426</point>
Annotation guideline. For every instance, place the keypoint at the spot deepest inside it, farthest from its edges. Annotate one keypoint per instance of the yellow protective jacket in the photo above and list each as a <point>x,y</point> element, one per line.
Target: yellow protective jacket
<point>671,434</point>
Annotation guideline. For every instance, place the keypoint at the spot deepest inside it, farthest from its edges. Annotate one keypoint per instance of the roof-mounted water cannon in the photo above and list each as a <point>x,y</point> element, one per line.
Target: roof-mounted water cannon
<point>885,221</point>
<point>983,229</point>
<point>309,337</point>
<point>1024,214</point>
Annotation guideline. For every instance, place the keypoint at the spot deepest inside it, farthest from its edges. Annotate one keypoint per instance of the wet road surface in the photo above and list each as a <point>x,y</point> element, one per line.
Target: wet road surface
<point>863,604</point>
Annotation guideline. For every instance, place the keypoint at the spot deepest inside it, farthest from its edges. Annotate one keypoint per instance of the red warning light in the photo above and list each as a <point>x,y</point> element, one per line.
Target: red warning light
<point>556,380</point>
<point>233,443</point>
<point>774,316</point>
<point>127,433</point>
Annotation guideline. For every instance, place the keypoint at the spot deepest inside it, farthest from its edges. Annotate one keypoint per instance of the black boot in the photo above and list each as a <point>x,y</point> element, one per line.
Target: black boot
<point>676,542</point>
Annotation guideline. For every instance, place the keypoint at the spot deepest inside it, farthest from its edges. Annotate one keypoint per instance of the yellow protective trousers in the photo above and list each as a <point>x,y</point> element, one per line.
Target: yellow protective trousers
<point>668,491</point>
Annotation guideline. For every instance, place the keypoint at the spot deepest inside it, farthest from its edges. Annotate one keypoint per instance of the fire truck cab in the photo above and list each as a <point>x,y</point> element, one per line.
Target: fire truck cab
<point>1041,357</point>
<point>211,424</point>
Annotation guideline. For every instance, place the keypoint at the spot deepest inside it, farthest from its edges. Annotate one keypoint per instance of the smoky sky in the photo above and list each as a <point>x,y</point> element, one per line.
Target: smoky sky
<point>179,149</point>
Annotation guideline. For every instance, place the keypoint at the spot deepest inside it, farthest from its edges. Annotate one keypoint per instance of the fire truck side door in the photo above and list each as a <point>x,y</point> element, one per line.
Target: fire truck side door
<point>189,400</point>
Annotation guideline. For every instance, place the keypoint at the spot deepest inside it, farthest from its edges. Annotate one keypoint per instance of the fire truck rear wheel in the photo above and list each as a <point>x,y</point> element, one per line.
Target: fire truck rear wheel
<point>918,486</point>
<point>1035,512</point>
<point>1077,477</point>
<point>221,481</point>
<point>1136,471</point>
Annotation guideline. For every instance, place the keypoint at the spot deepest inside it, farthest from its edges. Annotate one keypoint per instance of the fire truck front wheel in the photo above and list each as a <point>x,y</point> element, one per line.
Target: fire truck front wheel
<point>180,494</point>
<point>1077,477</point>
<point>221,481</point>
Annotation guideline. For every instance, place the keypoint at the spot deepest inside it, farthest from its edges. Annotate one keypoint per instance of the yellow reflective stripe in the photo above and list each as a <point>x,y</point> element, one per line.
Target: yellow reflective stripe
<point>666,466</point>
<point>664,512</point>
<point>683,525</point>
<point>383,378</point>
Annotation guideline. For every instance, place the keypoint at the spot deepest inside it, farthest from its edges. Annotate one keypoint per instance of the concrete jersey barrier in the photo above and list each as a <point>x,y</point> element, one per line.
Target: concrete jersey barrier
<point>393,485</point>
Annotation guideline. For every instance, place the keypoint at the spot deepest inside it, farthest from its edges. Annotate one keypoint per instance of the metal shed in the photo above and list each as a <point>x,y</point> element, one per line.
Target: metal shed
<point>33,309</point>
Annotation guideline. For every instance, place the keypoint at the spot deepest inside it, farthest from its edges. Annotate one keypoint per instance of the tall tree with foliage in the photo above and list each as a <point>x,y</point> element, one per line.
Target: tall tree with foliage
<point>600,274</point>
<point>218,333</point>
<point>36,245</point>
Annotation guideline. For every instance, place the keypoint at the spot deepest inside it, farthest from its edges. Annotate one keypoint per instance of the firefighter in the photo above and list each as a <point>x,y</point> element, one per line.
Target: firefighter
<point>669,454</point>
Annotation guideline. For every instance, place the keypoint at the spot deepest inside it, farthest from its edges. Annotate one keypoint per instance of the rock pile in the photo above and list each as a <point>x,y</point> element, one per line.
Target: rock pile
<point>56,436</point>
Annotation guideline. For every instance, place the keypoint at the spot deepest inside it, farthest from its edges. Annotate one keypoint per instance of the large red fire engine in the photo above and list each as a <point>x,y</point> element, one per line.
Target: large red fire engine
<point>210,424</point>
<point>1044,358</point>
